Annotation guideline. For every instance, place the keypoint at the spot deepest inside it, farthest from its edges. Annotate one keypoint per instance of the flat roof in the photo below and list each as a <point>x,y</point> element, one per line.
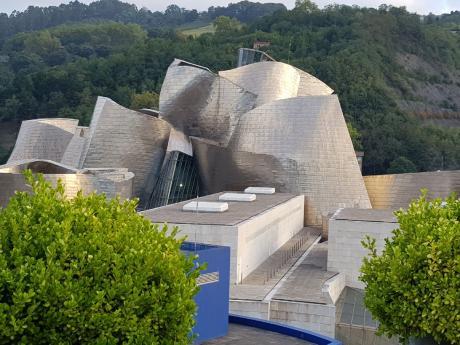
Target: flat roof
<point>365,215</point>
<point>237,212</point>
<point>244,335</point>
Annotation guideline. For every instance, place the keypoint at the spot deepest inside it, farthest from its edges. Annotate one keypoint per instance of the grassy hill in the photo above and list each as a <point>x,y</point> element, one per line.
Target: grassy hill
<point>199,30</point>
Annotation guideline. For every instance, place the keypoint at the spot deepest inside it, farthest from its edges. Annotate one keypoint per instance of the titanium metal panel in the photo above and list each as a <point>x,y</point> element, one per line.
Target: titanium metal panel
<point>112,182</point>
<point>398,190</point>
<point>308,136</point>
<point>269,80</point>
<point>43,139</point>
<point>223,169</point>
<point>200,103</point>
<point>311,86</point>
<point>119,137</point>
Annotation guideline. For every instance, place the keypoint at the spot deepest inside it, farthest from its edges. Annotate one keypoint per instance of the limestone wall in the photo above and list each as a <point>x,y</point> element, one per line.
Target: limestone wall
<point>345,251</point>
<point>398,190</point>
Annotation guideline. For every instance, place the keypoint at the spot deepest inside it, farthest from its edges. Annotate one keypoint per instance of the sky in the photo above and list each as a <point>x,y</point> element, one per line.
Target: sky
<point>419,6</point>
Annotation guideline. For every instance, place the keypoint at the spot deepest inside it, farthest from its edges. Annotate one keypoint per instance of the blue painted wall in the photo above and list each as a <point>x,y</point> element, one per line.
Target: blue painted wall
<point>213,299</point>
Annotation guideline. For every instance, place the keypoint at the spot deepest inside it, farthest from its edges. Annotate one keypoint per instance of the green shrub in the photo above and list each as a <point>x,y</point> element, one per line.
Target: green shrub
<point>90,271</point>
<point>413,287</point>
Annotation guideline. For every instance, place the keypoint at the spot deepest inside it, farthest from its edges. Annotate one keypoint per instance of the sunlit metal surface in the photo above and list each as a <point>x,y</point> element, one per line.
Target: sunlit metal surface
<point>398,190</point>
<point>112,182</point>
<point>298,145</point>
<point>43,139</point>
<point>120,137</point>
<point>200,103</point>
<point>276,80</point>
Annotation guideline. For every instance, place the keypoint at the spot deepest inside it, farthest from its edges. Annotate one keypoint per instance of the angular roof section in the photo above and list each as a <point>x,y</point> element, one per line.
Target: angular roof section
<point>43,139</point>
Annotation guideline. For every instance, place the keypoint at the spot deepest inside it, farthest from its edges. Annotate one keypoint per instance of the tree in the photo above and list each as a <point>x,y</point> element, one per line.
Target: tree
<point>355,137</point>
<point>90,271</point>
<point>145,100</point>
<point>225,24</point>
<point>413,286</point>
<point>401,165</point>
<point>305,6</point>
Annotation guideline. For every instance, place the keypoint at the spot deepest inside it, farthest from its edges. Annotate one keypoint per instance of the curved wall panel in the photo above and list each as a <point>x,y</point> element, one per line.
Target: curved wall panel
<point>222,169</point>
<point>202,104</point>
<point>43,139</point>
<point>309,137</point>
<point>311,86</point>
<point>119,137</point>
<point>398,190</point>
<point>73,154</point>
<point>269,80</point>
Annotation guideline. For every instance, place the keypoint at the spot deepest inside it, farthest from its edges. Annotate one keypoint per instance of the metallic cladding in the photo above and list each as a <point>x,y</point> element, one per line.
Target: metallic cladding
<point>112,182</point>
<point>43,139</point>
<point>199,103</point>
<point>272,80</point>
<point>223,169</point>
<point>269,80</point>
<point>398,190</point>
<point>309,138</point>
<point>120,137</point>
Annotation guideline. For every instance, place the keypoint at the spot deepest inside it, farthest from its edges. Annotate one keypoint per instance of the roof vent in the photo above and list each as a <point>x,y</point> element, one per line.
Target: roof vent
<point>237,197</point>
<point>205,206</point>
<point>260,190</point>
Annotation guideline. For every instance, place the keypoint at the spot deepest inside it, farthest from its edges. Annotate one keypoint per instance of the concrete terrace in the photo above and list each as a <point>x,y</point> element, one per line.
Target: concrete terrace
<point>244,335</point>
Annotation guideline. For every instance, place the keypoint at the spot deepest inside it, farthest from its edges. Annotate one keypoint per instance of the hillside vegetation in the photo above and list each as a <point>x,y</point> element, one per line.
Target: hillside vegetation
<point>397,76</point>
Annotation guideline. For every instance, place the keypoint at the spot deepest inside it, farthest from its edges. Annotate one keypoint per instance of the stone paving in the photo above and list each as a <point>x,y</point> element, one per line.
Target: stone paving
<point>243,335</point>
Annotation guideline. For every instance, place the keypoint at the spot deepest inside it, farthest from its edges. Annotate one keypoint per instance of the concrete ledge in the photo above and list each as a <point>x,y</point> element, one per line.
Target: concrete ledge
<point>334,287</point>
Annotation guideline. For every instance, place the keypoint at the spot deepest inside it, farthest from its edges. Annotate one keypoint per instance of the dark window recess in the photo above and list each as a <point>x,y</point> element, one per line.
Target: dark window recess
<point>178,180</point>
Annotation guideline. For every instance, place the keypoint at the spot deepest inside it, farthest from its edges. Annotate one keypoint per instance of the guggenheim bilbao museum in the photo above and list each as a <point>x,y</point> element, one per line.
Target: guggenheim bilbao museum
<point>262,124</point>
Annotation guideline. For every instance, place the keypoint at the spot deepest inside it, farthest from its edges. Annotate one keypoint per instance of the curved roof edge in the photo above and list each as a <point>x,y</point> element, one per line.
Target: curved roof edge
<point>299,333</point>
<point>179,62</point>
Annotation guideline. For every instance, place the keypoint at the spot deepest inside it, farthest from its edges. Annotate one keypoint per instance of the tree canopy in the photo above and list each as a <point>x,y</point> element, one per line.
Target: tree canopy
<point>90,271</point>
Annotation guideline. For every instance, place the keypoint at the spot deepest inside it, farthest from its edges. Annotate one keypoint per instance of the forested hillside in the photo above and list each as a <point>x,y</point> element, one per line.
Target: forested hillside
<point>397,74</point>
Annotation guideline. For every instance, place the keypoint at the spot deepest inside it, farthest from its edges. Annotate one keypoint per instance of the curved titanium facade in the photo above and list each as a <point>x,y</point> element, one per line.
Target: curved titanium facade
<point>73,154</point>
<point>309,137</point>
<point>119,137</point>
<point>272,81</point>
<point>43,139</point>
<point>398,190</point>
<point>112,182</point>
<point>268,80</point>
<point>222,169</point>
<point>199,103</point>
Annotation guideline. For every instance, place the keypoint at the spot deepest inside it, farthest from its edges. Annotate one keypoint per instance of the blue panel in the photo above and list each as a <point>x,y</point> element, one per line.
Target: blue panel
<point>213,299</point>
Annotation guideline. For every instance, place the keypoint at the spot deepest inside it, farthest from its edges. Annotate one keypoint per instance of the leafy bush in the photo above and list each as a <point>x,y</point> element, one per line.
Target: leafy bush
<point>90,271</point>
<point>413,287</point>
